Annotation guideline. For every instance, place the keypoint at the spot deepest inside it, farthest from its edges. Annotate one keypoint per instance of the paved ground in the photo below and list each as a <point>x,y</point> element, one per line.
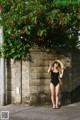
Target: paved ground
<point>23,112</point>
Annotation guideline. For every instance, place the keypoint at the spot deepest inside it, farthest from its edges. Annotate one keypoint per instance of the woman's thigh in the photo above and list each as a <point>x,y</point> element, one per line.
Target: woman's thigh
<point>52,89</point>
<point>57,89</point>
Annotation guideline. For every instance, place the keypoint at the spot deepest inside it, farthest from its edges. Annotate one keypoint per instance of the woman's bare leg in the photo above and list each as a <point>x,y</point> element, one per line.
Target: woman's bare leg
<point>52,89</point>
<point>57,95</point>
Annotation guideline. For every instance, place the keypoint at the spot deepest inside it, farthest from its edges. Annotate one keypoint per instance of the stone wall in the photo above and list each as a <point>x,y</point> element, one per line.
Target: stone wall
<point>28,81</point>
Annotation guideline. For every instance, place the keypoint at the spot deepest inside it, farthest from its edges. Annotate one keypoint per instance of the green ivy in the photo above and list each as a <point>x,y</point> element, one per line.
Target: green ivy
<point>28,23</point>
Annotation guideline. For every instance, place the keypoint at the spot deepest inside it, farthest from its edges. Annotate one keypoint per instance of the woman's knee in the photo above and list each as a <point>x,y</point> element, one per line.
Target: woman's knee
<point>53,94</point>
<point>57,94</point>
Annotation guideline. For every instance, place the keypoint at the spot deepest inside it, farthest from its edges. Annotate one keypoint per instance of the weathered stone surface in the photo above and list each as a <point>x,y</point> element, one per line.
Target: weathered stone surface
<point>33,79</point>
<point>40,98</point>
<point>34,89</point>
<point>37,82</point>
<point>44,89</point>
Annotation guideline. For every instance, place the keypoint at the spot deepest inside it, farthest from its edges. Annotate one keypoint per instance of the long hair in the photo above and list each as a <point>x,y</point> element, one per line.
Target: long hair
<point>58,67</point>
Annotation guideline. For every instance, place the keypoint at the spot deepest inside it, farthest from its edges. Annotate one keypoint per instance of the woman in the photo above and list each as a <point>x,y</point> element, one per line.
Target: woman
<point>56,72</point>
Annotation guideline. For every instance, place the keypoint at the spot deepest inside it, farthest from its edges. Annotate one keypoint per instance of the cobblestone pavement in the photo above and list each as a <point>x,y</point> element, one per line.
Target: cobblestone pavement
<point>24,112</point>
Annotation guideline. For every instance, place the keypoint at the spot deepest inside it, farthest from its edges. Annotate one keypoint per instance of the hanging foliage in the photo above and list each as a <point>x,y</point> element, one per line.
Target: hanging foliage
<point>36,22</point>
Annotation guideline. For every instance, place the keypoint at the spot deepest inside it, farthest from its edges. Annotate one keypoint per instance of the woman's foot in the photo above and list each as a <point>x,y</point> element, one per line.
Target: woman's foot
<point>57,107</point>
<point>54,106</point>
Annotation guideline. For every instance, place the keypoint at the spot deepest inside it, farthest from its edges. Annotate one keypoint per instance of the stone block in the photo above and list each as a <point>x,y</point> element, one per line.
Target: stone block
<point>43,76</point>
<point>34,75</point>
<point>37,82</point>
<point>38,55</point>
<point>25,82</point>
<point>34,82</point>
<point>25,88</point>
<point>39,69</point>
<point>43,88</point>
<point>25,93</point>
<point>40,98</point>
<point>33,89</point>
<point>11,87</point>
<point>18,99</point>
<point>26,99</point>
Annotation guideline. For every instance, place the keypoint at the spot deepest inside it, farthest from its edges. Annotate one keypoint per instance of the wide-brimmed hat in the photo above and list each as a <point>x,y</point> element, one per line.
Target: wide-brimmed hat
<point>60,62</point>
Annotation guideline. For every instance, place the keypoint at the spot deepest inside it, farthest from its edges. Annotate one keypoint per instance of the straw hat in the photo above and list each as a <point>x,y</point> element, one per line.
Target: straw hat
<point>62,66</point>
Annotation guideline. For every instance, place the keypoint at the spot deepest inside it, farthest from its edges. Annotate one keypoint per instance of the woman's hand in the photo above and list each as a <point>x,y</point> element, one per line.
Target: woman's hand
<point>49,69</point>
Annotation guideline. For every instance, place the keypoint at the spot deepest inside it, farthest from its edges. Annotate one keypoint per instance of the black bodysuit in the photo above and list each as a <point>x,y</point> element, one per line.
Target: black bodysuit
<point>54,78</point>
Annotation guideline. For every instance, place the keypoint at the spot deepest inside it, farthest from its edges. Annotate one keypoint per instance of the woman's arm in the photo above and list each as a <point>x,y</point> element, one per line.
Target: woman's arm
<point>49,69</point>
<point>61,72</point>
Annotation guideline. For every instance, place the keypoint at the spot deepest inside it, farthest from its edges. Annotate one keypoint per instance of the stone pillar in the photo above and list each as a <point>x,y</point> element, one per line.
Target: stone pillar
<point>25,82</point>
<point>18,81</point>
<point>13,79</point>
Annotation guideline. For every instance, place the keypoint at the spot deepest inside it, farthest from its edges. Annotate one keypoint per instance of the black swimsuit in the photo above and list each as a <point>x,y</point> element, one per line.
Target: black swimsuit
<point>54,78</point>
